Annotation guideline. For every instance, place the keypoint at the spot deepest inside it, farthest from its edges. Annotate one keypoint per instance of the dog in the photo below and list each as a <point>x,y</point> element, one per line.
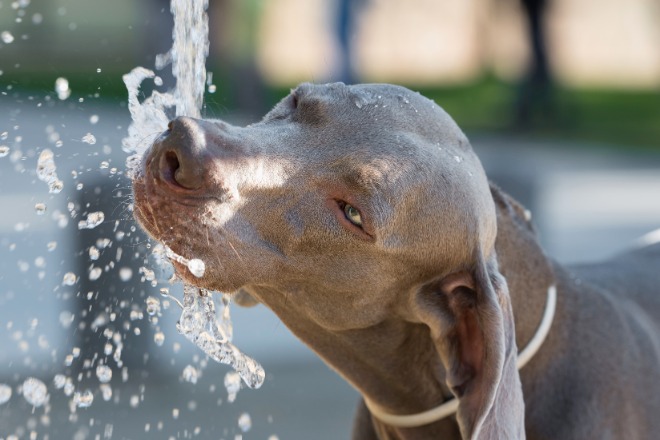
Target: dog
<point>361,216</point>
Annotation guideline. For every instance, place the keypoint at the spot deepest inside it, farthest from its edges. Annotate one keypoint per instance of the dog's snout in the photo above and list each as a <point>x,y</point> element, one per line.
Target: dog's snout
<point>180,153</point>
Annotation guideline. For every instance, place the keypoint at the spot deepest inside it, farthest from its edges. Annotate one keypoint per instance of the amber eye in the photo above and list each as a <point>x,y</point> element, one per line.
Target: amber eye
<point>353,215</point>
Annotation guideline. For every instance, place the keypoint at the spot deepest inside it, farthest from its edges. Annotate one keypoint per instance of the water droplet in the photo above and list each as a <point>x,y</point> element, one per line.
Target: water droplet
<point>104,373</point>
<point>196,267</point>
<point>62,88</point>
<point>159,338</point>
<point>135,315</point>
<point>84,399</point>
<point>4,150</point>
<point>153,306</point>
<point>95,273</point>
<point>35,391</point>
<point>93,220</point>
<point>69,388</point>
<point>232,385</point>
<point>134,401</point>
<point>106,392</point>
<point>94,253</point>
<point>59,381</point>
<point>93,119</point>
<point>190,374</point>
<point>212,88</point>
<point>245,422</point>
<point>69,279</point>
<point>175,413</point>
<point>6,37</point>
<point>89,138</point>
<point>51,246</point>
<point>66,317</point>
<point>125,274</point>
<point>5,393</point>
<point>40,208</point>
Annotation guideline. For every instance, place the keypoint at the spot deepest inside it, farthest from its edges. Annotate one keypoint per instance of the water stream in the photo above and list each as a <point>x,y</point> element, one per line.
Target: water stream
<point>198,322</point>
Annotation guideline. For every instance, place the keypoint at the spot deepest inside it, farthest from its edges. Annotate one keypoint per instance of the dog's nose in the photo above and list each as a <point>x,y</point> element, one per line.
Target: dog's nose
<point>180,154</point>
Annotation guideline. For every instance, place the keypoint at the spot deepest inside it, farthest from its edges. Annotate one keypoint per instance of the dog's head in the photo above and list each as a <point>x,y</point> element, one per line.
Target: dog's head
<point>352,203</point>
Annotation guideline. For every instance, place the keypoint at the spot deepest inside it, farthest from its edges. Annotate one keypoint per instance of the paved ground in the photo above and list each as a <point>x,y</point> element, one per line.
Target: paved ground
<point>587,202</point>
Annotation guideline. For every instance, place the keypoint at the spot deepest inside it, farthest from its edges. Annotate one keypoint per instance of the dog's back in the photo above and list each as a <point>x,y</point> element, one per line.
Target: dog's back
<point>633,279</point>
<point>619,304</point>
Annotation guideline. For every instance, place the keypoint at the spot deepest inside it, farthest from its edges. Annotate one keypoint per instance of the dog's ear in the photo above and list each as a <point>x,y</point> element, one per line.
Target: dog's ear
<point>471,323</point>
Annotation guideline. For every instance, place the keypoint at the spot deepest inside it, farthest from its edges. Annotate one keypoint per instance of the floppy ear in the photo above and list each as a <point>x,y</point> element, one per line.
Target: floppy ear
<point>471,322</point>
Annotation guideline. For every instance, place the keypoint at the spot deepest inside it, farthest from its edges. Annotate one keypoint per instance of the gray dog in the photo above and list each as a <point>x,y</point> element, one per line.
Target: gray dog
<point>361,216</point>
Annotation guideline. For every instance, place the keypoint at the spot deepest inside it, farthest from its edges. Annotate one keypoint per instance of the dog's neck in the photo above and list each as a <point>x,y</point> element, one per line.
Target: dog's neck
<point>393,364</point>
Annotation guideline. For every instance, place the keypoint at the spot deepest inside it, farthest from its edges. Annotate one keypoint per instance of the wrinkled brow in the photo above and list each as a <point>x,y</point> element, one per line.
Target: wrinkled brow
<point>378,176</point>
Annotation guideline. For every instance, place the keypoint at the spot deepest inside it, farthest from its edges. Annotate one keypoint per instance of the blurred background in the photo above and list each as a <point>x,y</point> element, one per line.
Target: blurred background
<point>560,98</point>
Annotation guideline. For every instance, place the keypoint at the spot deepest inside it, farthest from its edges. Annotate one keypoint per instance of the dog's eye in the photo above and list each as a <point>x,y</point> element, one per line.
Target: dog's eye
<point>353,215</point>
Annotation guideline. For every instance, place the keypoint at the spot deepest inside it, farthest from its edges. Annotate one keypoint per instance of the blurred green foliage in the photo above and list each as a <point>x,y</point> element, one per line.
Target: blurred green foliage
<point>616,117</point>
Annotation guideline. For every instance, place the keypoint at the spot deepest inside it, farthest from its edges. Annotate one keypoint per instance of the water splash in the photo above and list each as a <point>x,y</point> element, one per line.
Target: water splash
<point>93,220</point>
<point>198,323</point>
<point>46,171</point>
<point>187,56</point>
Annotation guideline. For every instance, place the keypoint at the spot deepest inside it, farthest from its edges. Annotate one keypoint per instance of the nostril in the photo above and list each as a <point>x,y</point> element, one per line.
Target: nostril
<point>169,164</point>
<point>172,161</point>
<point>180,154</point>
<point>179,170</point>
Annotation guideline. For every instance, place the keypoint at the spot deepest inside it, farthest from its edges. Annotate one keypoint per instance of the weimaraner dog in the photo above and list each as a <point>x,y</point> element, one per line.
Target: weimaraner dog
<point>361,216</point>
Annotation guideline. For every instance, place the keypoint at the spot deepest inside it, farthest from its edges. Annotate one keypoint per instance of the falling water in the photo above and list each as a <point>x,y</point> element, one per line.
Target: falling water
<point>198,322</point>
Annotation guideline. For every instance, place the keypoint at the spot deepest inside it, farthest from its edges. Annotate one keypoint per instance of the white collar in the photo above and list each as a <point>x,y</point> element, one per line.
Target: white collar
<point>449,407</point>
